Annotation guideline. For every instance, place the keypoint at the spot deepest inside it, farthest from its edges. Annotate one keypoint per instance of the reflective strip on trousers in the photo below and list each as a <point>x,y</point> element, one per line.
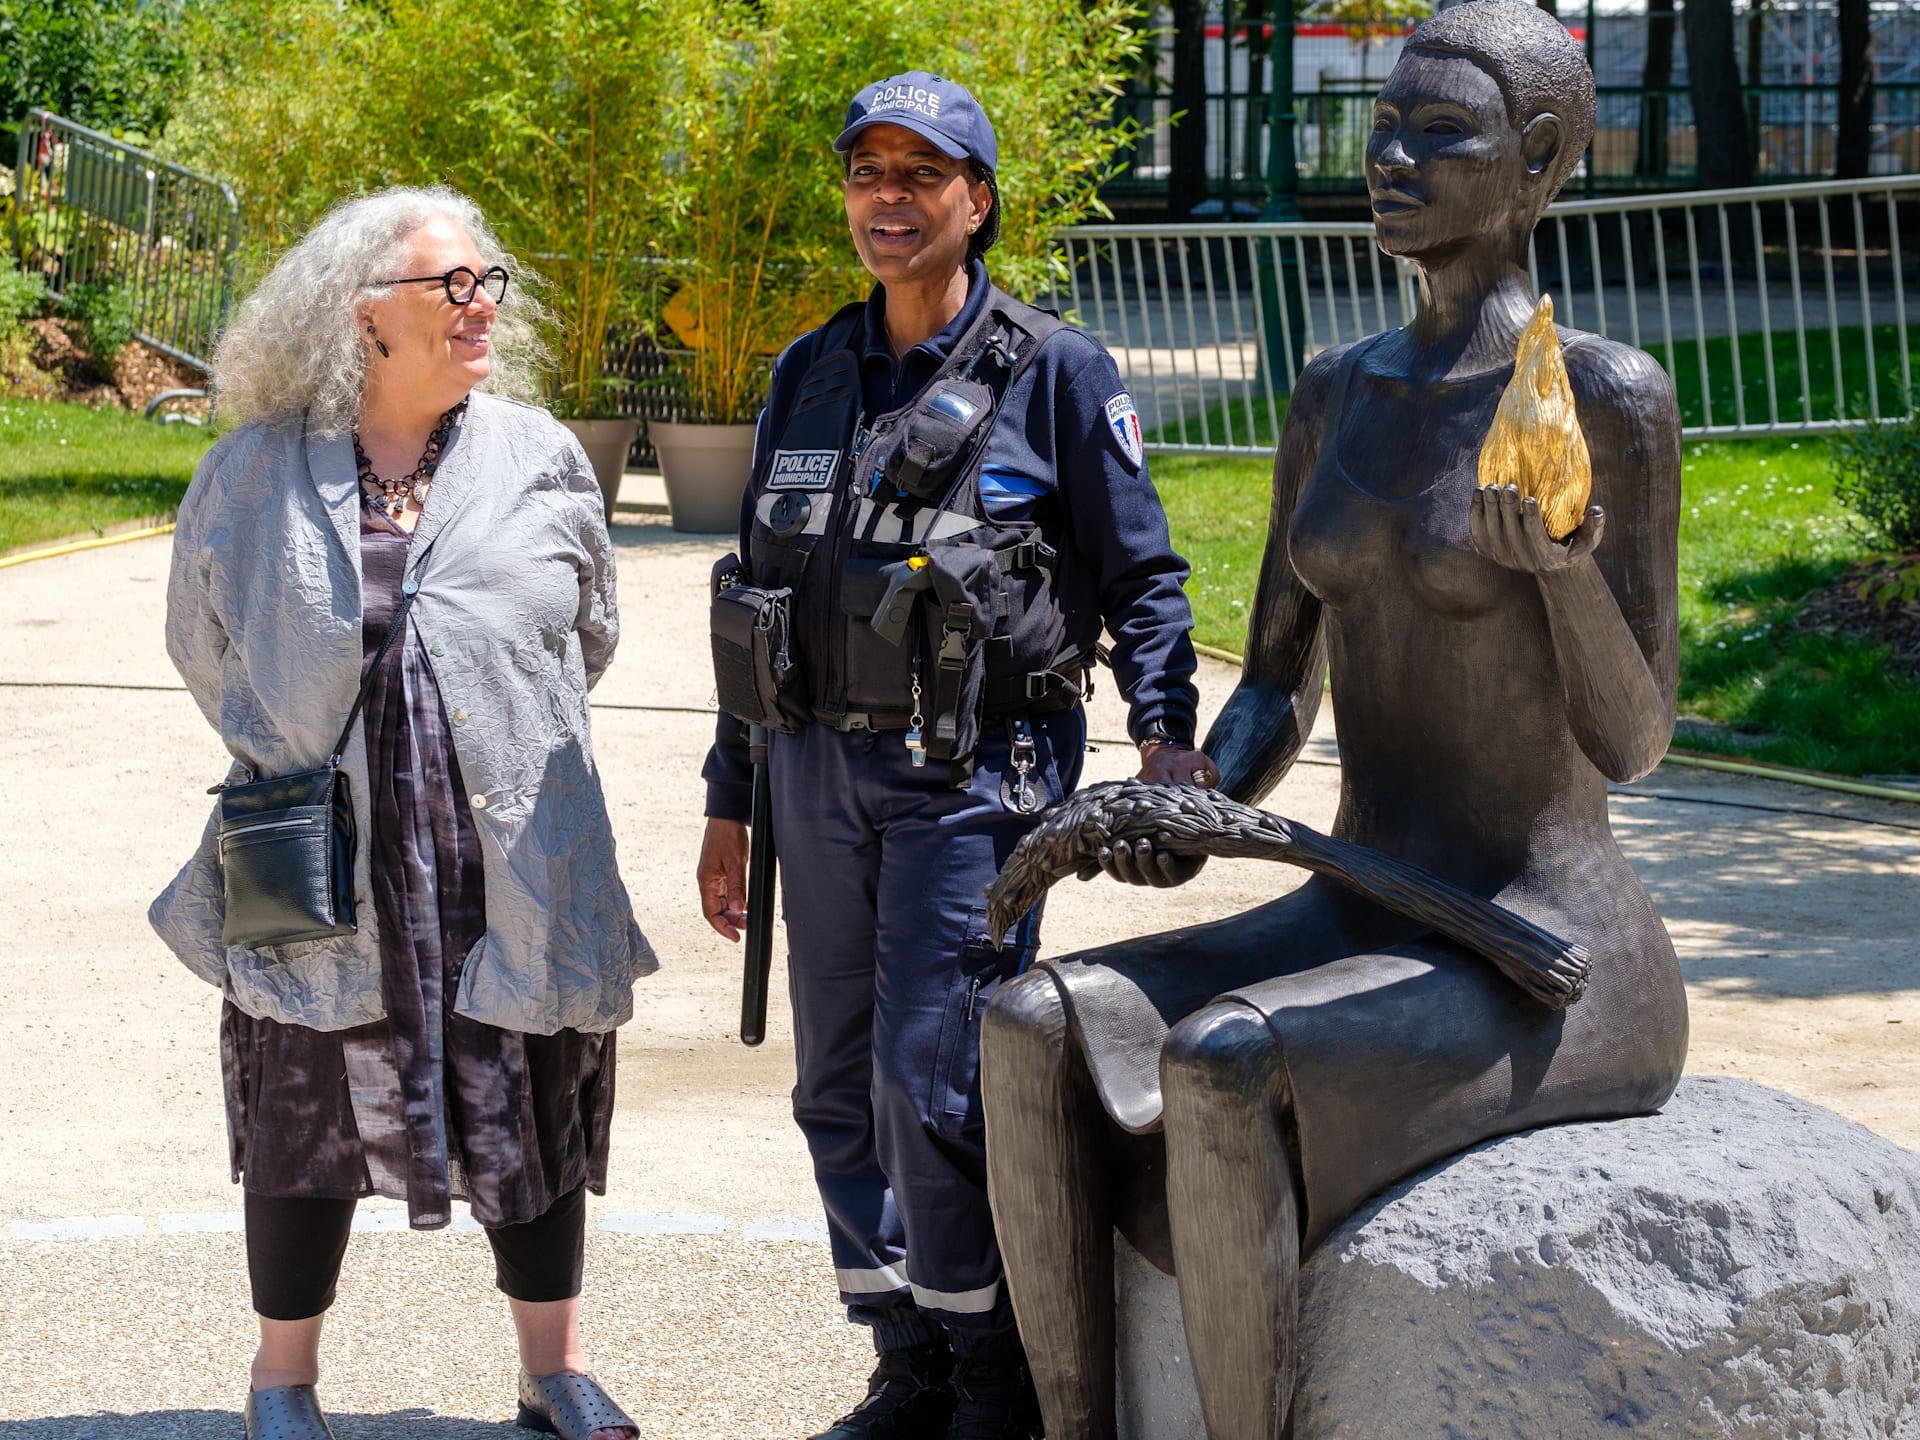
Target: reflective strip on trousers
<point>958,1302</point>
<point>882,1281</point>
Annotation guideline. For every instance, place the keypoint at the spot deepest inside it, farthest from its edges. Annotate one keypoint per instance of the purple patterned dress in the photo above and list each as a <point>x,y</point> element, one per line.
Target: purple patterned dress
<point>425,1105</point>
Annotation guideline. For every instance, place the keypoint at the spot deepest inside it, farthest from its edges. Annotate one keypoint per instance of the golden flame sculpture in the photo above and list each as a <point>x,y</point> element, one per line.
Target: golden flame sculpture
<point>1535,441</point>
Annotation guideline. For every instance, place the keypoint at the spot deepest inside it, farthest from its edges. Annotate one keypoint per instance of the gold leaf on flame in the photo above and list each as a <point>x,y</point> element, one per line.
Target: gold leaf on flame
<point>1535,441</point>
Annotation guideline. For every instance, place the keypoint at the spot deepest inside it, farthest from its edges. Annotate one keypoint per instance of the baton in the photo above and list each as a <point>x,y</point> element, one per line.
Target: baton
<point>760,857</point>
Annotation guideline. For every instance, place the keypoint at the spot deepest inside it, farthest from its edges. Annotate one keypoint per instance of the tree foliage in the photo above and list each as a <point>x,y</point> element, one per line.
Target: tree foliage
<point>760,249</point>
<point>647,154</point>
<point>112,65</point>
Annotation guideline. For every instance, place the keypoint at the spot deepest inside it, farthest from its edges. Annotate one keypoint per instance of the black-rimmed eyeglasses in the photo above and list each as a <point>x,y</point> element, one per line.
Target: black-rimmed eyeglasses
<point>460,283</point>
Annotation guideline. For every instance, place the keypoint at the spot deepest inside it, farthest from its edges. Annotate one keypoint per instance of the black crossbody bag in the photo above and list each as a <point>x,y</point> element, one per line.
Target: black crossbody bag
<point>287,843</point>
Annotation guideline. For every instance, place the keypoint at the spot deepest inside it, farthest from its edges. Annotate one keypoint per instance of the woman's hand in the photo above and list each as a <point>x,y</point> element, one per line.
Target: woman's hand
<point>722,873</point>
<point>1508,530</point>
<point>1139,863</point>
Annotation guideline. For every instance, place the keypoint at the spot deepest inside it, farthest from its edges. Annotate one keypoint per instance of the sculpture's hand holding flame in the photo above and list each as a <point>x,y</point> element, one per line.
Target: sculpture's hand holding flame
<point>1535,443</point>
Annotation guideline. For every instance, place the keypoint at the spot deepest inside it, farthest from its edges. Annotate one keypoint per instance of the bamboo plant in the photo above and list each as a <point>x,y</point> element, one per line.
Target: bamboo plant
<point>759,250</point>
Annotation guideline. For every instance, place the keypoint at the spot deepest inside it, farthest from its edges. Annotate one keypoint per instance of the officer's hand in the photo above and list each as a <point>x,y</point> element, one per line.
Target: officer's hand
<point>722,873</point>
<point>1176,765</point>
<point>1140,863</point>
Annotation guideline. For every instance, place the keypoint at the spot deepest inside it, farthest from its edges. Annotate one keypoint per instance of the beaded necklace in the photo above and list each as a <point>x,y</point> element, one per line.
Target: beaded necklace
<point>391,495</point>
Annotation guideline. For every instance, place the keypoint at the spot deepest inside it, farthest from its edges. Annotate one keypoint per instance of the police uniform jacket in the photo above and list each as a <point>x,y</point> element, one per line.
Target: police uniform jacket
<point>516,614</point>
<point>1064,453</point>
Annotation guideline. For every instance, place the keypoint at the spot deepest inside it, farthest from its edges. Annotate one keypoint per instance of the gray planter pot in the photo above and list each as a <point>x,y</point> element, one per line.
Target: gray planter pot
<point>706,469</point>
<point>606,443</point>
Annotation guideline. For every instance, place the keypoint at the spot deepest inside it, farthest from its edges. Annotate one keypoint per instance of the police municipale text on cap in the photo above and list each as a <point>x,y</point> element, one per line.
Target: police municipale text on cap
<point>941,110</point>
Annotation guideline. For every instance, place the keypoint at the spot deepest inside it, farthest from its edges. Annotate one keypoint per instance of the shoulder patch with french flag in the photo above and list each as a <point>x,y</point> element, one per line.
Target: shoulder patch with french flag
<point>1124,421</point>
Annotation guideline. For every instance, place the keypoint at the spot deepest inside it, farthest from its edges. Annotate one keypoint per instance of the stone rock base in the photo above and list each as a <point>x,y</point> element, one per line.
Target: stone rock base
<point>1743,1264</point>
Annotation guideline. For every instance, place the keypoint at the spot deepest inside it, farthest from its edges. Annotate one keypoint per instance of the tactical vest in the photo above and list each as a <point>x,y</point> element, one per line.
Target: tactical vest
<point>913,608</point>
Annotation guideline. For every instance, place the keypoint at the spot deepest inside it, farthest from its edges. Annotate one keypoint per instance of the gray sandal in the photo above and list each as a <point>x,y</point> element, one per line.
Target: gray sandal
<point>285,1412</point>
<point>569,1404</point>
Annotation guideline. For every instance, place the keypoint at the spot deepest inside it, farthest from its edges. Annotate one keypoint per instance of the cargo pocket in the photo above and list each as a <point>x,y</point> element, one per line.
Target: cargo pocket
<point>956,1111</point>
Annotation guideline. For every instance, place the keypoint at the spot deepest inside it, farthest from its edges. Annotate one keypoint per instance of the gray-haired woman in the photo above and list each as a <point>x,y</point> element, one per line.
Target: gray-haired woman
<point>459,1044</point>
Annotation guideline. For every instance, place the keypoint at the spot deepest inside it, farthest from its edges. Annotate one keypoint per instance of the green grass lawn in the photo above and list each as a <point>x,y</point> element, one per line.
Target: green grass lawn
<point>1779,354</point>
<point>68,469</point>
<point>1759,533</point>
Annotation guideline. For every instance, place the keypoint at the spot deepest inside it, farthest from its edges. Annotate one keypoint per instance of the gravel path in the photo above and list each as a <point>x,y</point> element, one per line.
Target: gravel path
<point>1794,920</point>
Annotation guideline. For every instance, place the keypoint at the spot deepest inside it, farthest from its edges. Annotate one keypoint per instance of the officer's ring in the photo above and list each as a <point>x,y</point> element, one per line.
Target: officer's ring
<point>1202,777</point>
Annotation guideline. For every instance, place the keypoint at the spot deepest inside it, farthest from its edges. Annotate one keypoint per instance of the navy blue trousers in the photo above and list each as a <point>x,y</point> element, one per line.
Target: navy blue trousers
<point>883,874</point>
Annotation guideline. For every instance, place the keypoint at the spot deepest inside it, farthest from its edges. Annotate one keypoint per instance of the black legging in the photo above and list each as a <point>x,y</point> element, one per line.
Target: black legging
<point>294,1249</point>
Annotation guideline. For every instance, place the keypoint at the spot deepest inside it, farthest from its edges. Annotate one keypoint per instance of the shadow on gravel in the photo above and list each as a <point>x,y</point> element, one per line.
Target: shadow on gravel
<point>652,532</point>
<point>1804,904</point>
<point>225,1425</point>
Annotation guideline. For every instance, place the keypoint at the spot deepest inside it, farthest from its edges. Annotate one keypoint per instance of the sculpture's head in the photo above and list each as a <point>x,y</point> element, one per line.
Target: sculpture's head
<point>1483,119</point>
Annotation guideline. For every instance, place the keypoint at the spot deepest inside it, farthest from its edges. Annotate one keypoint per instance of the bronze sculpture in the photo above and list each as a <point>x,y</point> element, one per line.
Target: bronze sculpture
<point>1278,1067</point>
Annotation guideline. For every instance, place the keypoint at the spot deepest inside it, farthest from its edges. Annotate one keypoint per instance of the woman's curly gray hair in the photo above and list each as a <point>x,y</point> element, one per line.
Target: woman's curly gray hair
<point>295,344</point>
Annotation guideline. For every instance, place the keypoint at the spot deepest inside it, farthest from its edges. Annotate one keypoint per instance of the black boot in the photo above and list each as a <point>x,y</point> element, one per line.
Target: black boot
<point>994,1399</point>
<point>908,1398</point>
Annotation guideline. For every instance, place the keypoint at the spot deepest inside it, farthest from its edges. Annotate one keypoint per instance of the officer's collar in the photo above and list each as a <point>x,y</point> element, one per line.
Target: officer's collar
<point>941,345</point>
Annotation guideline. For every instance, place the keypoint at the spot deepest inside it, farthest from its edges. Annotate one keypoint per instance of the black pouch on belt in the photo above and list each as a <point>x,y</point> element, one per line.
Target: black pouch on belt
<point>755,677</point>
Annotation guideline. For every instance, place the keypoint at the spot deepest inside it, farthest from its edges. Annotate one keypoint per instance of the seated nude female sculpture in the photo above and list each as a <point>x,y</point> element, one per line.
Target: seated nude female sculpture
<point>1276,1068</point>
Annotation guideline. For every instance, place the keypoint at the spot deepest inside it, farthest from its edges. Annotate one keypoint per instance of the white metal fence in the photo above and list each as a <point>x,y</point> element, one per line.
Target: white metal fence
<point>1779,309</point>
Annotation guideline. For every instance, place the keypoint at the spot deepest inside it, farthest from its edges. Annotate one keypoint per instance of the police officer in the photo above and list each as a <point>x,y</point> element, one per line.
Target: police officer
<point>949,499</point>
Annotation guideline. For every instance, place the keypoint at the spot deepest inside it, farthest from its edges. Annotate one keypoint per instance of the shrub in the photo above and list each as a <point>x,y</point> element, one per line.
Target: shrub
<point>632,149</point>
<point>544,112</point>
<point>1876,474</point>
<point>22,295</point>
<point>114,65</point>
<point>757,238</point>
<point>106,316</point>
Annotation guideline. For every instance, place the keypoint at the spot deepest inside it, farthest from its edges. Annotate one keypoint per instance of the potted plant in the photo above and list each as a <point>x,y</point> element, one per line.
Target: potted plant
<point>750,266</point>
<point>545,112</point>
<point>561,146</point>
<point>756,243</point>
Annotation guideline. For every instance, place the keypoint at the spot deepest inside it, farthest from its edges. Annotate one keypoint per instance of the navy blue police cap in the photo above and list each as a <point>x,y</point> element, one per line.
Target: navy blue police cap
<point>941,110</point>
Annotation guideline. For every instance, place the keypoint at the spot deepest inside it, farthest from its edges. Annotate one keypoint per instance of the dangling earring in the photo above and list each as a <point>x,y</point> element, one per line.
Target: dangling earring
<point>378,343</point>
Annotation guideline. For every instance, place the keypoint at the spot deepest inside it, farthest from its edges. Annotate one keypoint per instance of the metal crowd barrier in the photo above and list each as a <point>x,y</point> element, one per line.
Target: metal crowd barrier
<point>1777,309</point>
<point>88,208</point>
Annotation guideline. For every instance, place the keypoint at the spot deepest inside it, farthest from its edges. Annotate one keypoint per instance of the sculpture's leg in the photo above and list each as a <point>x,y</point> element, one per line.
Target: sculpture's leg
<point>1046,1177</point>
<point>1236,1230</point>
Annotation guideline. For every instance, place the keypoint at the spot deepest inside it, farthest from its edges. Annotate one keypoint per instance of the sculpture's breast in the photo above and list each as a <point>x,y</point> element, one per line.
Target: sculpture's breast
<point>1359,550</point>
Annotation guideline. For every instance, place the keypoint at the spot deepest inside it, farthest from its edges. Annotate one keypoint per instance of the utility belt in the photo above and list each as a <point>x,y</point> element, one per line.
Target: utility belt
<point>1011,696</point>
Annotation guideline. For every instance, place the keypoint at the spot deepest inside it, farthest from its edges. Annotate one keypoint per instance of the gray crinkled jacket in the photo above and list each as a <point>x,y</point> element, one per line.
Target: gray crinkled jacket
<point>516,611</point>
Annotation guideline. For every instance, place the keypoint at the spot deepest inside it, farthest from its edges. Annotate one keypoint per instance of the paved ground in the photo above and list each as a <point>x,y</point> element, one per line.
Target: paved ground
<point>711,1312</point>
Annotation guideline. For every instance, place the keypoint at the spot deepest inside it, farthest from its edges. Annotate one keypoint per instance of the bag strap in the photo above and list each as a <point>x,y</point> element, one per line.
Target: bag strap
<point>409,587</point>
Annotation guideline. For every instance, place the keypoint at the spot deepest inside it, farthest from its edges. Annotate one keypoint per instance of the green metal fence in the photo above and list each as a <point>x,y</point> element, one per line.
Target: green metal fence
<point>87,208</point>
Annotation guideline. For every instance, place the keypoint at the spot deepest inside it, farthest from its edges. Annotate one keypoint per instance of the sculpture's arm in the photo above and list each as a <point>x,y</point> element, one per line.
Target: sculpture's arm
<point>1267,719</point>
<point>1611,592</point>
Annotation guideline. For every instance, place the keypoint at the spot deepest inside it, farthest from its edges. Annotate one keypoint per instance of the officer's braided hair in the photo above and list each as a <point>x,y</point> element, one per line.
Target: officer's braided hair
<point>982,239</point>
<point>1537,64</point>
